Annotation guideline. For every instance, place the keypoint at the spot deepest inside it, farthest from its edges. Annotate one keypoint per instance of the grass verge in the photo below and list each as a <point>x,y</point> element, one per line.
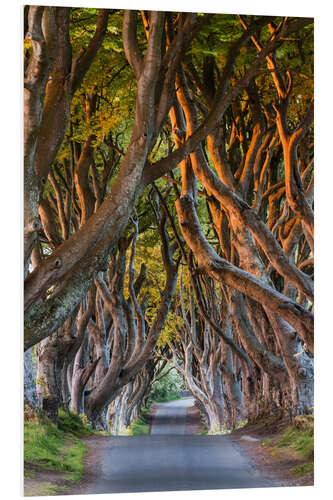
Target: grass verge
<point>297,439</point>
<point>171,396</point>
<point>43,489</point>
<point>137,427</point>
<point>48,447</point>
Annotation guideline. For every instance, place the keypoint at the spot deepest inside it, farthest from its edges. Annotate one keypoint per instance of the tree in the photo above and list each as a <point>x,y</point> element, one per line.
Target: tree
<point>195,133</point>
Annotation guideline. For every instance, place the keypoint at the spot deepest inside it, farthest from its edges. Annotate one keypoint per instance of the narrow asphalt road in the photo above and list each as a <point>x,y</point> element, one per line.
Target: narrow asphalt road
<point>171,460</point>
<point>171,418</point>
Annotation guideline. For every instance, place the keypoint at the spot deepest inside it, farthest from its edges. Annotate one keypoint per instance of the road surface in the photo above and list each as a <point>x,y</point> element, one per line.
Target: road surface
<point>171,418</point>
<point>170,459</point>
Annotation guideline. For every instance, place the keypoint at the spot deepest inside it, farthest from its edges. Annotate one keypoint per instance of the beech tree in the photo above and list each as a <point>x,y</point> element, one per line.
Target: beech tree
<point>189,132</point>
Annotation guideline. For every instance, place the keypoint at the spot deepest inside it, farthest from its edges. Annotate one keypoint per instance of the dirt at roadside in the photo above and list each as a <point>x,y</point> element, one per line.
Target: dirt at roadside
<point>150,416</point>
<point>274,464</point>
<point>193,421</point>
<point>40,482</point>
<point>52,482</point>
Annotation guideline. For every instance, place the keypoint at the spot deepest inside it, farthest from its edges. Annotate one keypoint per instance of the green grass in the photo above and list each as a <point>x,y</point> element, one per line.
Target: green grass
<point>171,396</point>
<point>297,438</point>
<point>74,424</point>
<point>145,410</point>
<point>267,442</point>
<point>29,474</point>
<point>300,470</point>
<point>300,440</point>
<point>43,489</point>
<point>54,448</point>
<point>137,427</point>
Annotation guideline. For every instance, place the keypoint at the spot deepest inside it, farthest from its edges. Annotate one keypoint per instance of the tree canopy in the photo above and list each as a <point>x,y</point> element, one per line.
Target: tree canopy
<point>168,197</point>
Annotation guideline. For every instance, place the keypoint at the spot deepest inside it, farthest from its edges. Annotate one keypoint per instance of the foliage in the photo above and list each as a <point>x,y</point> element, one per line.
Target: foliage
<point>168,387</point>
<point>109,76</point>
<point>169,331</point>
<point>102,110</point>
<point>29,474</point>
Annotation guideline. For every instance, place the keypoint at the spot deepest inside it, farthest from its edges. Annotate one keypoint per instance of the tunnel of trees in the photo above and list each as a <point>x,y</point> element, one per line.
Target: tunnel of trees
<point>168,211</point>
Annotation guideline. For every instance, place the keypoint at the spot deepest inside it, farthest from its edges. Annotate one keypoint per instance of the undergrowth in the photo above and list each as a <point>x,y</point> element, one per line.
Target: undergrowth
<point>56,448</point>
